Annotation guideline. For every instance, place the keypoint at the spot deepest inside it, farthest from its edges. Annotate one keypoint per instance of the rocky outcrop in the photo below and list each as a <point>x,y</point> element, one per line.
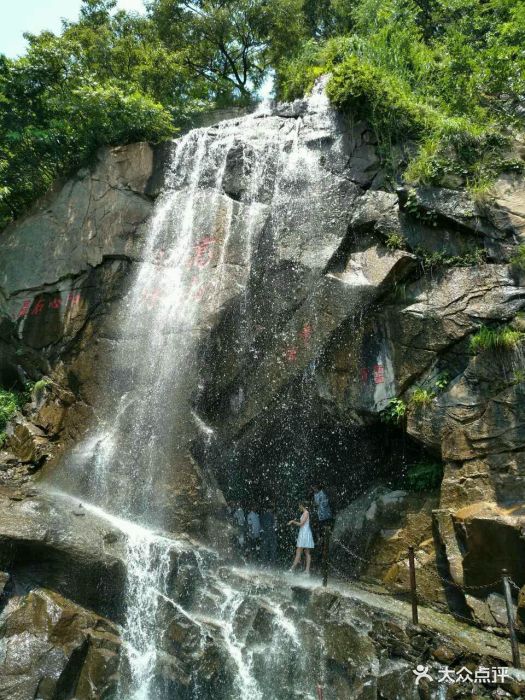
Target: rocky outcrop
<point>372,535</point>
<point>96,214</point>
<point>354,629</point>
<point>46,541</point>
<point>360,644</point>
<point>61,269</point>
<point>51,648</point>
<point>509,193</point>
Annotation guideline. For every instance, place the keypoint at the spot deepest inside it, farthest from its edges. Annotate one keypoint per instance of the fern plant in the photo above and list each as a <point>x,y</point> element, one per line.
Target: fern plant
<point>395,411</point>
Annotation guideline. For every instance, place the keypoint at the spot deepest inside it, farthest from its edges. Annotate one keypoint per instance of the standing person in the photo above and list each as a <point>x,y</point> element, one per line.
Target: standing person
<point>239,521</point>
<point>268,534</point>
<point>305,540</point>
<point>253,524</point>
<point>322,503</point>
<point>325,518</point>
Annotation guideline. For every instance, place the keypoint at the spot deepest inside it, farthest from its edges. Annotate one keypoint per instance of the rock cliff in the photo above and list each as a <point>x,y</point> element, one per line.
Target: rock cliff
<point>340,301</point>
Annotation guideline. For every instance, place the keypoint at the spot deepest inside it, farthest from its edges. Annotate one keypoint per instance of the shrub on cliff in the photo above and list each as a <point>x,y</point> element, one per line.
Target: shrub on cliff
<point>449,76</point>
<point>493,339</point>
<point>8,406</point>
<point>518,258</point>
<point>63,99</point>
<point>65,133</point>
<point>10,403</point>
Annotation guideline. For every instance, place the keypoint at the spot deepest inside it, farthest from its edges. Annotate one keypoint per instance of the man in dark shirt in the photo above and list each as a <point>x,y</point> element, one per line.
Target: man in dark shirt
<point>324,512</point>
<point>325,518</point>
<point>268,534</point>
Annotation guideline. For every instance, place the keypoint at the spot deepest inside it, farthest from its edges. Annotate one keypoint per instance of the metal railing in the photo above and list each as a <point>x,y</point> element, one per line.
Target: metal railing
<point>504,581</point>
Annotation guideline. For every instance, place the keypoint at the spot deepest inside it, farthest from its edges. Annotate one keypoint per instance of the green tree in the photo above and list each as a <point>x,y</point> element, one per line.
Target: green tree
<point>449,75</point>
<point>54,113</point>
<point>104,80</point>
<point>114,77</point>
<point>229,43</point>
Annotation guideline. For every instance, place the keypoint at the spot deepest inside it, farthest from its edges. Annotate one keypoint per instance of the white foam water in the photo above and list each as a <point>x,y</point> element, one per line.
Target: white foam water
<point>148,568</point>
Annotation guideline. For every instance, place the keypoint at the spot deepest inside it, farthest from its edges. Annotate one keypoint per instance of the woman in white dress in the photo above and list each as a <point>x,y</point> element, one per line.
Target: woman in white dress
<point>305,540</point>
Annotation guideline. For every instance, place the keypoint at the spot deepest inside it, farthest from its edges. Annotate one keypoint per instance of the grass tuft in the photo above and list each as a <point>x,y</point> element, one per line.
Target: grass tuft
<point>395,241</point>
<point>518,259</point>
<point>494,339</point>
<point>422,397</point>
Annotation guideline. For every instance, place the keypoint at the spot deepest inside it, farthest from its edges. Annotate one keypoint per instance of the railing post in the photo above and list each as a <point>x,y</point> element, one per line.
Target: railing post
<point>413,590</point>
<point>516,662</point>
<point>326,551</point>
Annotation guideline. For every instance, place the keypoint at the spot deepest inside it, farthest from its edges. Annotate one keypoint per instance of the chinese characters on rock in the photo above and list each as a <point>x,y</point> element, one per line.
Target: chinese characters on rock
<point>202,253</point>
<point>375,374</point>
<point>201,258</point>
<point>36,305</point>
<point>290,353</point>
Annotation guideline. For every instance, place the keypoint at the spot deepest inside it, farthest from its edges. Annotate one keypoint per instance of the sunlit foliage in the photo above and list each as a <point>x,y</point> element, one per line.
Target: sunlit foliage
<point>441,83</point>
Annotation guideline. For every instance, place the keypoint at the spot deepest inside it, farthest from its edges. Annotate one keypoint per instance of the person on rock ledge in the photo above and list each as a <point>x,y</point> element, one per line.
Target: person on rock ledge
<point>324,518</point>
<point>268,534</point>
<point>253,524</point>
<point>239,521</point>
<point>322,502</point>
<point>305,540</point>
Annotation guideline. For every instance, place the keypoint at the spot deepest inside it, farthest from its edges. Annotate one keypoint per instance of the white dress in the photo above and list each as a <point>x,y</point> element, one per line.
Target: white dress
<point>305,538</point>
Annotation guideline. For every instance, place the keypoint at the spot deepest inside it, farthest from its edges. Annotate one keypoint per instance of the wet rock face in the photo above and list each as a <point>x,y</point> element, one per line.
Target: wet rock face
<point>372,653</point>
<point>321,311</point>
<point>190,657</point>
<point>473,424</point>
<point>361,353</point>
<point>275,638</point>
<point>51,648</point>
<point>54,543</point>
<point>275,194</point>
<point>62,267</point>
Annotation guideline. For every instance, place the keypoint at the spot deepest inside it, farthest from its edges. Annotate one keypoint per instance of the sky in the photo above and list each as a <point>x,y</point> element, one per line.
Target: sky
<point>19,16</point>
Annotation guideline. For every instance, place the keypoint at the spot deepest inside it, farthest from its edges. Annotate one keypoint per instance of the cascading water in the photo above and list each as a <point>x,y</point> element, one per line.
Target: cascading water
<point>246,685</point>
<point>142,430</point>
<point>149,564</point>
<point>136,462</point>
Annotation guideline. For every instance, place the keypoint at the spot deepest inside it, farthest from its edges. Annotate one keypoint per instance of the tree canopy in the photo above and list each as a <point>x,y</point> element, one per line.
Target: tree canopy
<point>447,74</point>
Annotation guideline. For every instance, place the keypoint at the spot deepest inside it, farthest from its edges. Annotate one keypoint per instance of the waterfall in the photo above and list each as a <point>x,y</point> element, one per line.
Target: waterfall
<point>144,419</point>
<point>246,684</point>
<point>149,566</point>
<point>198,254</point>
